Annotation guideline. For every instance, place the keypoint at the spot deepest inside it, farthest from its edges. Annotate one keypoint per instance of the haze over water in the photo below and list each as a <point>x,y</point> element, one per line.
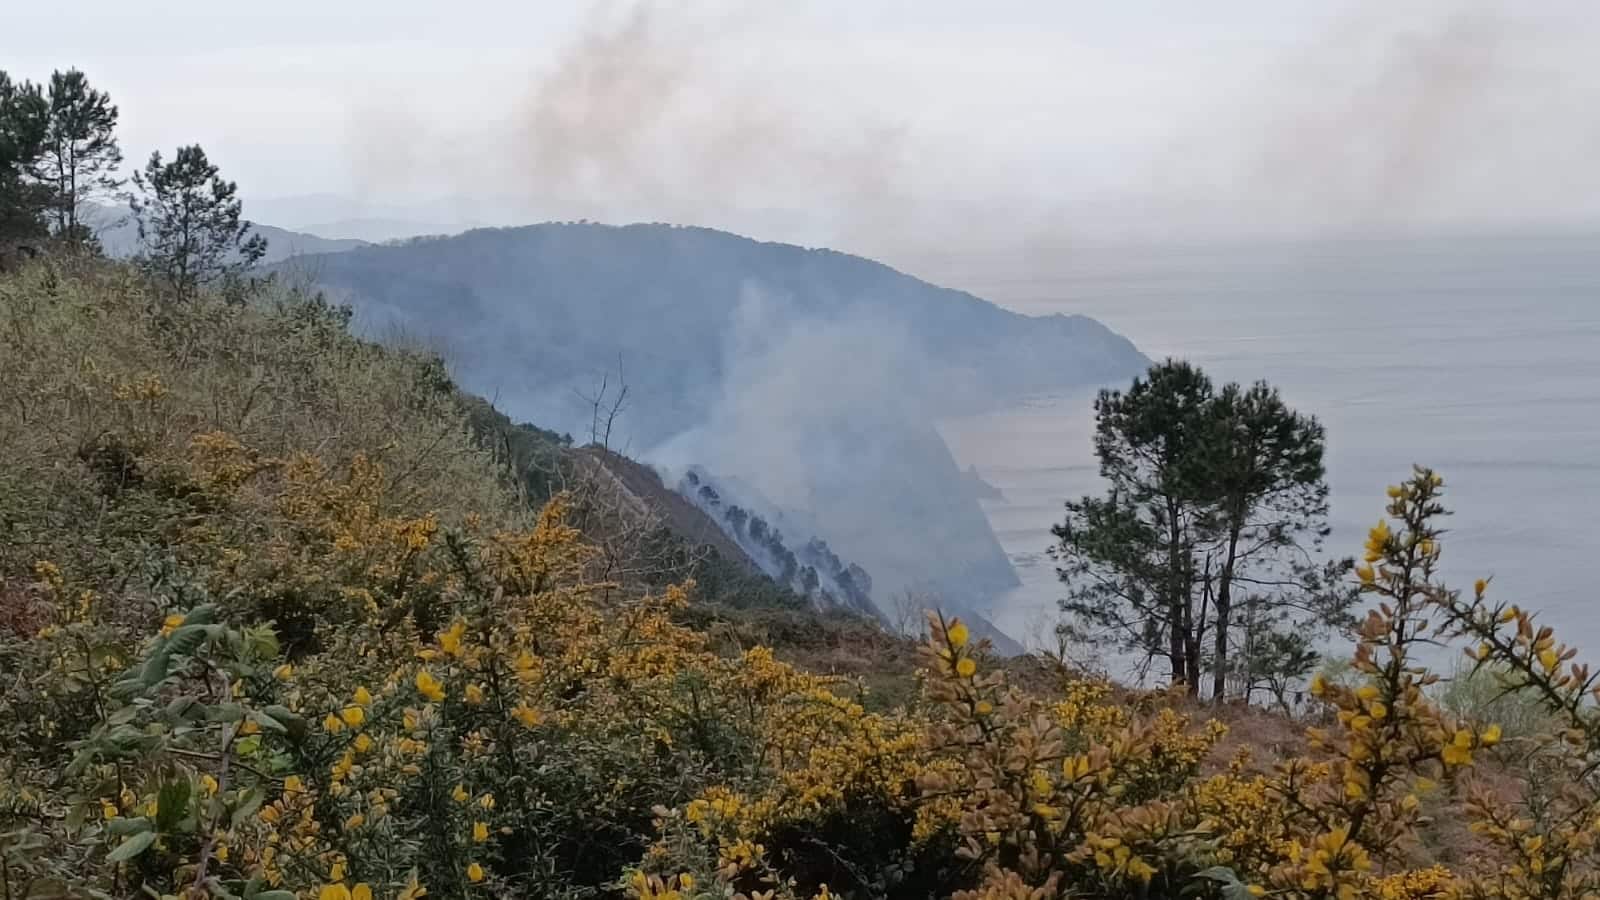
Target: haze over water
<point>1478,356</point>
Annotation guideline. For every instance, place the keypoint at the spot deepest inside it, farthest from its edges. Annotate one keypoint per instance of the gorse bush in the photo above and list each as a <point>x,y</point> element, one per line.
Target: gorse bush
<point>274,625</point>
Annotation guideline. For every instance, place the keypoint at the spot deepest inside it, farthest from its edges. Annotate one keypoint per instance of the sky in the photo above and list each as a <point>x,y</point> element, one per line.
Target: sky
<point>868,125</point>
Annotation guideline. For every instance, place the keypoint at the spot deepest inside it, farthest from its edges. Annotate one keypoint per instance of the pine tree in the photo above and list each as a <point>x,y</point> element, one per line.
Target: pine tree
<point>1266,486</point>
<point>189,223</point>
<point>81,155</point>
<point>1131,559</point>
<point>23,117</point>
<point>1216,505</point>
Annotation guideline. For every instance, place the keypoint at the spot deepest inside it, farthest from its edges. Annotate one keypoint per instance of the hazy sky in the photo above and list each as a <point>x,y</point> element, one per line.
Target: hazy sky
<point>863,123</point>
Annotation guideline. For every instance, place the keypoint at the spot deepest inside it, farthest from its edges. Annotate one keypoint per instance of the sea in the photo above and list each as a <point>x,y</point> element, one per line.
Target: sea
<point>1476,355</point>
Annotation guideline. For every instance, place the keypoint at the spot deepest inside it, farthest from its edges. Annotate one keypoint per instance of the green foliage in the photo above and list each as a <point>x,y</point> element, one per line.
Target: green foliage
<point>24,118</point>
<point>1217,502</point>
<point>531,454</point>
<point>81,154</point>
<point>1491,694</point>
<point>189,224</point>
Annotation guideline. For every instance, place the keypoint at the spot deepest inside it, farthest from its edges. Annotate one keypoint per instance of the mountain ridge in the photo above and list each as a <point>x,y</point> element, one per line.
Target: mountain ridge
<point>119,237</point>
<point>814,374</point>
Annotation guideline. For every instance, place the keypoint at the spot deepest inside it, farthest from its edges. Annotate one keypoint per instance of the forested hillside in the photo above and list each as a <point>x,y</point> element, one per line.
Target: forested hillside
<point>539,311</point>
<point>814,376</point>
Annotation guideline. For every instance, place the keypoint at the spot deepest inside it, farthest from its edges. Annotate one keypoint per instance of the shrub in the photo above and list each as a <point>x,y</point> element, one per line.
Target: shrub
<point>256,643</point>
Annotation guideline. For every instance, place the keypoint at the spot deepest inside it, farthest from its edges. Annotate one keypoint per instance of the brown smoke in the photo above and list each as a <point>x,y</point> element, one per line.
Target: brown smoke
<point>1399,115</point>
<point>670,114</point>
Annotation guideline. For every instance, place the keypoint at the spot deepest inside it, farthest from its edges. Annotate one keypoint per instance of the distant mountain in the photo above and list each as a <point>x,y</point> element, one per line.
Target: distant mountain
<point>334,215</point>
<point>379,230</point>
<point>536,316</point>
<point>813,376</point>
<point>120,237</point>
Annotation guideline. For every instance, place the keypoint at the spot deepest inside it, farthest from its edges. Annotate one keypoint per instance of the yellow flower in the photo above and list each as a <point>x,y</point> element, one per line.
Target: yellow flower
<point>428,686</point>
<point>1479,586</point>
<point>293,785</point>
<point>966,667</point>
<point>170,624</point>
<point>1366,573</point>
<point>1549,659</point>
<point>474,873</point>
<point>332,724</point>
<point>450,641</point>
<point>283,672</point>
<point>958,634</point>
<point>334,892</point>
<point>413,889</point>
<point>363,743</point>
<point>460,794</point>
<point>355,821</point>
<point>353,716</point>
<point>337,872</point>
<point>208,784</point>
<point>1491,735</point>
<point>362,891</point>
<point>527,715</point>
<point>474,694</point>
<point>1377,541</point>
<point>486,801</point>
<point>480,832</point>
<point>363,696</point>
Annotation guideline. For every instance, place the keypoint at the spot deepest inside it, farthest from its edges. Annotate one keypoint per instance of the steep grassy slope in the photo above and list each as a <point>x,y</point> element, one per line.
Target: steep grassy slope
<point>110,395</point>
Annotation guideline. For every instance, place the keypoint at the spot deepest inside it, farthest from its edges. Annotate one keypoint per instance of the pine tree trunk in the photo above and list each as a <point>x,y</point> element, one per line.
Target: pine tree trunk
<point>1219,662</point>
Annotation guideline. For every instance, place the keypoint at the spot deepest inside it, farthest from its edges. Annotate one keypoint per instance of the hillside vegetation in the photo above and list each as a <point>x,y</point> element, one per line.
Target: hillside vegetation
<point>813,377</point>
<point>279,617</point>
<point>287,615</point>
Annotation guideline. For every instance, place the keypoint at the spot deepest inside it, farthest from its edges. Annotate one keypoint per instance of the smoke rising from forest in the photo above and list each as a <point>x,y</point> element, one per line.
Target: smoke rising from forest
<point>833,416</point>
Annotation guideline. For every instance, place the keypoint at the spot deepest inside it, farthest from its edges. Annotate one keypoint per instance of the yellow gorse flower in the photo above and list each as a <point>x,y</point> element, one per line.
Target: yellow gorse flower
<point>958,634</point>
<point>428,686</point>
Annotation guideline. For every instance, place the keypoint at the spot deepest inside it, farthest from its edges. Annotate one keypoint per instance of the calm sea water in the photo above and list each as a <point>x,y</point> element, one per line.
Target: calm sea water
<point>1477,356</point>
